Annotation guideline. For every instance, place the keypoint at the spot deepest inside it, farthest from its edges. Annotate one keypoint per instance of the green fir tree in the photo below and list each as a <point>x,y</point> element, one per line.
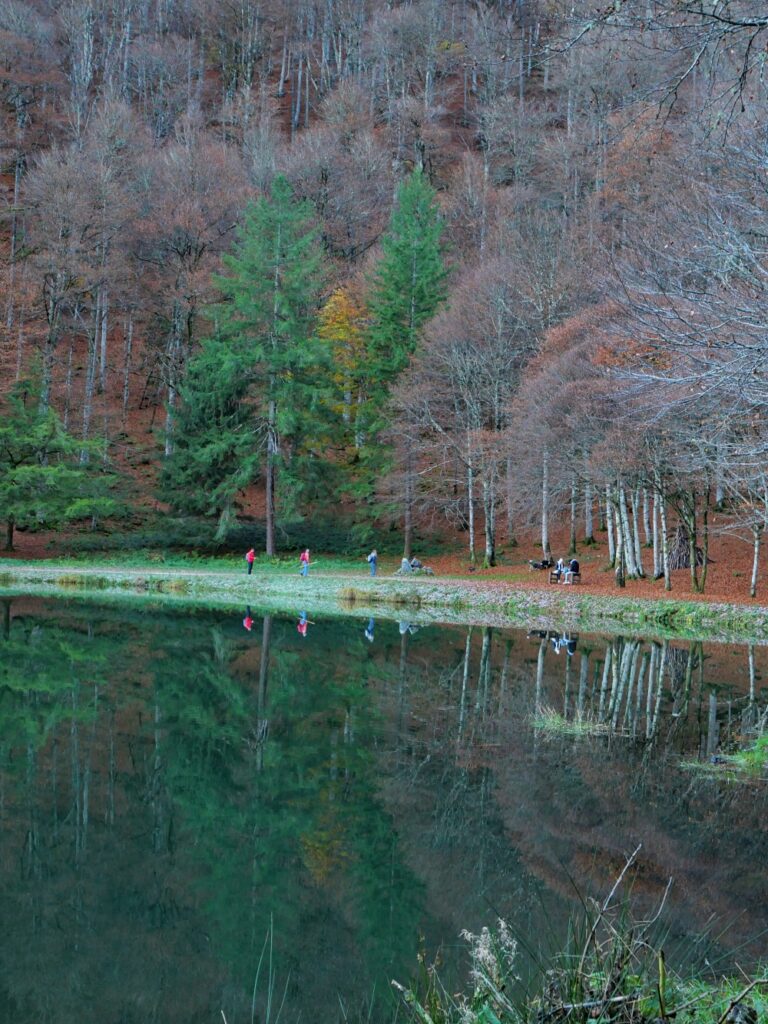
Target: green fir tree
<point>255,401</point>
<point>407,288</point>
<point>45,480</point>
<point>216,450</point>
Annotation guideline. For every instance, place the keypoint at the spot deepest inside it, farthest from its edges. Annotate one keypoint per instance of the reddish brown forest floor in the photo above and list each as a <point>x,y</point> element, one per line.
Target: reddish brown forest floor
<point>728,574</point>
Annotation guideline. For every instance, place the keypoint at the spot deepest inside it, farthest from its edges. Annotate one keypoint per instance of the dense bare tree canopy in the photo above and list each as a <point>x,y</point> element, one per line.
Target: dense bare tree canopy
<point>598,171</point>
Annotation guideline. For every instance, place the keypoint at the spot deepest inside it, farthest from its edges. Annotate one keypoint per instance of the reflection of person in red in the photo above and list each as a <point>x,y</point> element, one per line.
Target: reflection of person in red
<point>303,621</point>
<point>248,621</point>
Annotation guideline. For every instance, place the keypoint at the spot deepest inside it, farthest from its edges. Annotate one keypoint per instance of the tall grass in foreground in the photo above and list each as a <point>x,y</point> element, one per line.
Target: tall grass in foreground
<point>611,969</point>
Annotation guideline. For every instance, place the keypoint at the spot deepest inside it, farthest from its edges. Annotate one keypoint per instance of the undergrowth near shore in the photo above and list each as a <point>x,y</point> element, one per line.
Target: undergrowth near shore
<point>612,968</point>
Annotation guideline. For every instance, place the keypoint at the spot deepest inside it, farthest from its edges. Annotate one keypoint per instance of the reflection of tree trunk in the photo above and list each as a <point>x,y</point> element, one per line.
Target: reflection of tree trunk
<point>583,673</point>
<point>7,618</point>
<point>604,682</point>
<point>464,685</point>
<point>481,703</point>
<point>261,705</point>
<point>540,674</point>
<point>504,675</point>
<point>402,675</point>
<point>712,731</point>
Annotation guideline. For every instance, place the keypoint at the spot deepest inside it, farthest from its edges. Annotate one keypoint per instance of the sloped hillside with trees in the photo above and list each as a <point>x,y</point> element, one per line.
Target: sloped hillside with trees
<point>479,265</point>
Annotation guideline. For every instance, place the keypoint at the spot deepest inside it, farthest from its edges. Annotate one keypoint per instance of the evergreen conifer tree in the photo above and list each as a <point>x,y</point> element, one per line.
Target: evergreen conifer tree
<point>43,479</point>
<point>266,324</point>
<point>408,287</point>
<point>216,452</point>
<point>409,283</point>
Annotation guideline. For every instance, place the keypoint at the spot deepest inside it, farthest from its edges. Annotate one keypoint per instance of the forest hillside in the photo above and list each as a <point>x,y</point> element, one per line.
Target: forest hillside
<point>479,268</point>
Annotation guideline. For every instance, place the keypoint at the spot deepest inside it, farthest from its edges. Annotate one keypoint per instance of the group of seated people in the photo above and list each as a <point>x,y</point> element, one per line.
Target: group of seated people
<point>565,572</point>
<point>409,566</point>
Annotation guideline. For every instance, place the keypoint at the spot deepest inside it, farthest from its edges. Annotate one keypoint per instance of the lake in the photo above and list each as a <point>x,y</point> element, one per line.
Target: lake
<point>208,813</point>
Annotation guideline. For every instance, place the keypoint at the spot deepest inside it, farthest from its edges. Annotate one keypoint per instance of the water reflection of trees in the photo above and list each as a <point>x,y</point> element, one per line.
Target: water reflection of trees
<point>169,808</point>
<point>576,802</point>
<point>169,787</point>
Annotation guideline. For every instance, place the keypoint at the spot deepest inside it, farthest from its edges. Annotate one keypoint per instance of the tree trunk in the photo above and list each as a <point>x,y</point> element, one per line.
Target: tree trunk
<point>127,368</point>
<point>756,535</point>
<point>636,531</point>
<point>660,499</point>
<point>572,539</point>
<point>657,567</point>
<point>9,526</point>
<point>705,538</point>
<point>489,503</point>
<point>589,526</point>
<point>471,509</point>
<point>646,518</point>
<point>627,542</point>
<point>545,506</point>
<point>511,542</point>
<point>408,505</point>
<point>620,546</point>
<point>608,511</point>
<point>270,479</point>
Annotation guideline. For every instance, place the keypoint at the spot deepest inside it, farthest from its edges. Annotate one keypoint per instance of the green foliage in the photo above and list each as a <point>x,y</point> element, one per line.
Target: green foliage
<point>407,288</point>
<point>254,396</point>
<point>216,444</point>
<point>272,296</point>
<point>409,283</point>
<point>46,476</point>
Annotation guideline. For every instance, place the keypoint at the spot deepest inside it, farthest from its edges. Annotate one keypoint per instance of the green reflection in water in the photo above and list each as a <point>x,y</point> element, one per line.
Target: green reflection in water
<point>173,788</point>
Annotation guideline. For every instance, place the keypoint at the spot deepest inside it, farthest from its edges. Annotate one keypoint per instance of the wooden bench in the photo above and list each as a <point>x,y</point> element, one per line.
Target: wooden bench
<point>575,577</point>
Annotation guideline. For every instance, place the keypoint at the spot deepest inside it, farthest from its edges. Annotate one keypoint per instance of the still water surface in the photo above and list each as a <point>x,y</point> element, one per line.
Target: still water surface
<point>177,788</point>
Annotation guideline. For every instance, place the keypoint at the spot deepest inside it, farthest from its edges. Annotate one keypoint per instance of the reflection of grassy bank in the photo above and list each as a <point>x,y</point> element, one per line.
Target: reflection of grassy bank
<point>549,720</point>
<point>745,765</point>
<point>336,589</point>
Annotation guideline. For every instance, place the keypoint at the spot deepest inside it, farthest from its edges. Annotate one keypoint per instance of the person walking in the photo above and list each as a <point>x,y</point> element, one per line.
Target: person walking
<point>372,561</point>
<point>304,562</point>
<point>249,557</point>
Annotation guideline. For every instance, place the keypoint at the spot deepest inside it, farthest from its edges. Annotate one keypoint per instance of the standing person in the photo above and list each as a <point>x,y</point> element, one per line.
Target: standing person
<point>372,560</point>
<point>304,562</point>
<point>249,557</point>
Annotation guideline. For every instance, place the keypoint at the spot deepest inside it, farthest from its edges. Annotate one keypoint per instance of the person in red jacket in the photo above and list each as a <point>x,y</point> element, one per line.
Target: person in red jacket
<point>249,557</point>
<point>304,562</point>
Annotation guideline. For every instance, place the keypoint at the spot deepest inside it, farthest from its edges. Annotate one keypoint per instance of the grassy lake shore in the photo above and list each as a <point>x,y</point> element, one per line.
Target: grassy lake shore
<point>338,589</point>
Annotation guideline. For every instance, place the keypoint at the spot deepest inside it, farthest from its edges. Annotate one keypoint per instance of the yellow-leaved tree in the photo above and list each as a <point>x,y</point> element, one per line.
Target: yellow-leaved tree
<point>341,326</point>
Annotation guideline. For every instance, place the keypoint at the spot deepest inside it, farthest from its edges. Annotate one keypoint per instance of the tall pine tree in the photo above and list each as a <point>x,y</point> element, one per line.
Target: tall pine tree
<point>266,323</point>
<point>407,288</point>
